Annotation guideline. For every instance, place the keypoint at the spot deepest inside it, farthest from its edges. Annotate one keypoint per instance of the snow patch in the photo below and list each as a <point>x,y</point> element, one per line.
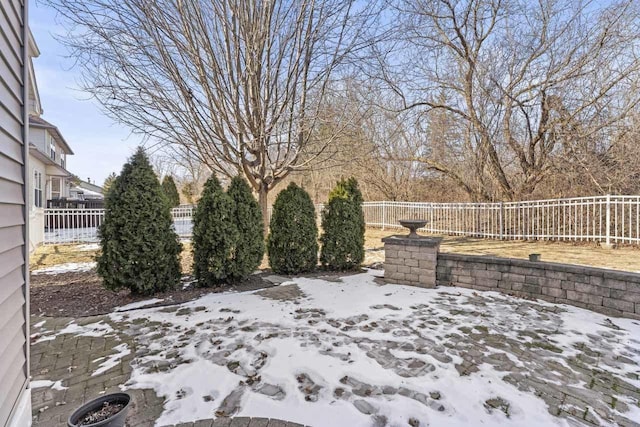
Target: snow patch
<point>88,247</point>
<point>39,324</point>
<point>55,385</point>
<point>41,383</point>
<point>70,267</point>
<point>98,329</point>
<point>113,360</point>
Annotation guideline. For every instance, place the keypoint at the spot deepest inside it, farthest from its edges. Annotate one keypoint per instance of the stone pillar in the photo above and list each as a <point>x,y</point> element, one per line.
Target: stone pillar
<point>411,261</point>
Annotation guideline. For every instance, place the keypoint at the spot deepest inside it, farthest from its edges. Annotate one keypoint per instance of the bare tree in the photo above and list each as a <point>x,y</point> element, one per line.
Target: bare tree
<point>509,86</point>
<point>190,171</point>
<point>239,83</point>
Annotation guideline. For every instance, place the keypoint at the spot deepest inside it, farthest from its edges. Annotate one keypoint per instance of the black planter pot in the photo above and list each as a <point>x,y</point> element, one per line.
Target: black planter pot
<point>534,257</point>
<point>116,420</point>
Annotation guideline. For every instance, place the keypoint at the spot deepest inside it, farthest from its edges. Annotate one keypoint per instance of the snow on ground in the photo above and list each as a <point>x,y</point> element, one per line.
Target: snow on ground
<point>56,385</point>
<point>71,235</point>
<point>139,304</point>
<point>113,360</point>
<point>354,352</point>
<point>97,329</point>
<point>88,247</point>
<point>39,325</point>
<point>70,267</point>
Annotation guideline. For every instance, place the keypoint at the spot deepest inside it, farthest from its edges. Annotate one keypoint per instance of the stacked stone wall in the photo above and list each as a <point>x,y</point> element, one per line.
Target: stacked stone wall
<point>410,265</point>
<point>610,292</point>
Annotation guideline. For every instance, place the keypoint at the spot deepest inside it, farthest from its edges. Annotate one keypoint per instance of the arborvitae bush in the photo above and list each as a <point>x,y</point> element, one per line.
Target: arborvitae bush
<point>249,248</point>
<point>140,249</point>
<point>171,191</point>
<point>355,195</point>
<point>343,228</point>
<point>293,239</point>
<point>214,235</point>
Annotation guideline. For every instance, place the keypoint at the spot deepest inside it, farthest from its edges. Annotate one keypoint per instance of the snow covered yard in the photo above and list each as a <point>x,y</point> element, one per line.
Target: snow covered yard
<point>356,352</point>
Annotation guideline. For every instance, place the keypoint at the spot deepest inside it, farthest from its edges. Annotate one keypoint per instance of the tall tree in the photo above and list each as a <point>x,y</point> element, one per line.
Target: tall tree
<point>239,83</point>
<point>171,191</point>
<point>511,85</point>
<point>189,191</point>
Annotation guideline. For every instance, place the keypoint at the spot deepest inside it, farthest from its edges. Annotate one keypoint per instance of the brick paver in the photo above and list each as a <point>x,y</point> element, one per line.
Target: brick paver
<point>73,359</point>
<point>592,382</point>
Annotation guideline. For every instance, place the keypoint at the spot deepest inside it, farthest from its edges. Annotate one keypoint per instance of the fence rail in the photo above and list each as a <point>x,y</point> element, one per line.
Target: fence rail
<point>606,219</point>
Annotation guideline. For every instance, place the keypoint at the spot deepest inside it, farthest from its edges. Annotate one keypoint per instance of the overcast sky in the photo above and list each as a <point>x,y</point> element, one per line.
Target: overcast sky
<point>100,145</point>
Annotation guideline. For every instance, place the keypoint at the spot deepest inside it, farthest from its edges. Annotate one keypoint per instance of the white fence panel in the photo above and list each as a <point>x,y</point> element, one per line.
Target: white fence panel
<point>183,220</point>
<point>72,225</point>
<point>607,219</point>
<point>81,225</point>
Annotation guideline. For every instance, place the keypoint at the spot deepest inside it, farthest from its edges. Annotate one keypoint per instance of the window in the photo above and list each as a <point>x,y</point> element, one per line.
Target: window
<point>63,160</point>
<point>52,147</point>
<point>37,189</point>
<point>55,188</point>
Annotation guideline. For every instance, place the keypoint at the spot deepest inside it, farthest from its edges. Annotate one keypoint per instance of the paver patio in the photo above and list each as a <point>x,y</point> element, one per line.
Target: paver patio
<point>345,352</point>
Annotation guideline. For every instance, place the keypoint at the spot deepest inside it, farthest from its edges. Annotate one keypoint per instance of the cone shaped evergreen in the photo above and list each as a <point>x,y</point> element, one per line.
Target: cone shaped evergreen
<point>171,191</point>
<point>215,235</point>
<point>343,227</point>
<point>293,237</point>
<point>249,248</point>
<point>140,250</point>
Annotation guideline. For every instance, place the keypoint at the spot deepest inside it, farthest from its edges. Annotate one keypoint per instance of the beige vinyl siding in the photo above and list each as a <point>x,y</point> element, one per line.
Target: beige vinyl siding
<point>10,215</point>
<point>9,147</point>
<point>13,152</point>
<point>38,137</point>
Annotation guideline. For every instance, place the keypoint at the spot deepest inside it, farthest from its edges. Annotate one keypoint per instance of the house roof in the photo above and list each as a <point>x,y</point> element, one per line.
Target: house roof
<point>39,122</point>
<point>90,187</point>
<point>88,194</point>
<point>53,168</point>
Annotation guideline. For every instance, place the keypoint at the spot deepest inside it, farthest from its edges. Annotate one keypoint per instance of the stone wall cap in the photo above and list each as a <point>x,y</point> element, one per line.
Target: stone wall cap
<point>429,242</point>
<point>487,259</point>
<point>627,276</point>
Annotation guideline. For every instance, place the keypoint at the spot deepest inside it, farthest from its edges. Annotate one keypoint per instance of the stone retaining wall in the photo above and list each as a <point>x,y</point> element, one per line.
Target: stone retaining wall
<point>614,293</point>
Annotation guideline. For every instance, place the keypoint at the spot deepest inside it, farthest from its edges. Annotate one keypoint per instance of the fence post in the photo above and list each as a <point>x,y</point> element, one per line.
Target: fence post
<point>431,217</point>
<point>383,214</point>
<point>501,220</point>
<point>608,219</point>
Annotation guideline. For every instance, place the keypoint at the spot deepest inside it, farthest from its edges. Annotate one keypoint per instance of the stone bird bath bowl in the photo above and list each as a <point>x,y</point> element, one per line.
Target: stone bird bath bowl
<point>413,225</point>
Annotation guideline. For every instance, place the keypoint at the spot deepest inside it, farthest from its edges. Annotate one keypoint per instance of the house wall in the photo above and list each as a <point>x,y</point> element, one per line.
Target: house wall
<point>614,293</point>
<point>36,227</point>
<point>38,137</point>
<point>14,328</point>
<point>36,214</point>
<point>33,106</point>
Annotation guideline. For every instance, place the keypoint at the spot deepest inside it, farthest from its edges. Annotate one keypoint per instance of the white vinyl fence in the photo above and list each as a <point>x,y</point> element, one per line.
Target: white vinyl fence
<point>81,225</point>
<point>607,219</point>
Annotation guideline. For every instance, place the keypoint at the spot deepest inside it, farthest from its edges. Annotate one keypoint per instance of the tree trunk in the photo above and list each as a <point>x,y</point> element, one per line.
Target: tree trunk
<point>263,194</point>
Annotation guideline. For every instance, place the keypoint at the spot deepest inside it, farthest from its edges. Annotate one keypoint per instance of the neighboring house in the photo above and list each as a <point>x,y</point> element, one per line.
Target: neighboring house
<point>84,190</point>
<point>49,179</point>
<point>15,394</point>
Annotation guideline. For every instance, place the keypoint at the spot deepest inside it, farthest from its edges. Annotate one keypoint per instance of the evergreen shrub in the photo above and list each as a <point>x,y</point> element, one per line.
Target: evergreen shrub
<point>139,248</point>
<point>292,245</point>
